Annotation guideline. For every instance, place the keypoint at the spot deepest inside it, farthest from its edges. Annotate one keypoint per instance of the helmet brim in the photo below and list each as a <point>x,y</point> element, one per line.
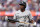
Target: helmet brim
<point>22,4</point>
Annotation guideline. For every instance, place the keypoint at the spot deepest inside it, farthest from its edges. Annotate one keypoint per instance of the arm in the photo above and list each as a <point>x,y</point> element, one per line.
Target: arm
<point>37,18</point>
<point>31,18</point>
<point>13,20</point>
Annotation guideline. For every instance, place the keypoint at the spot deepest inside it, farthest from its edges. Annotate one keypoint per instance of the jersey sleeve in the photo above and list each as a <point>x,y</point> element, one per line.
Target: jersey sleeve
<point>14,16</point>
<point>30,16</point>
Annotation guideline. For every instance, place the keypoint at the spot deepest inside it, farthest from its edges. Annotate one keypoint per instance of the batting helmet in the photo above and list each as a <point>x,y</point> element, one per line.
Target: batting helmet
<point>23,4</point>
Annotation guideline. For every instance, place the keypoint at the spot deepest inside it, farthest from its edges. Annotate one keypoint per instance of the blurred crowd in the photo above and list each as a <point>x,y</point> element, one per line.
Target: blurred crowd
<point>10,4</point>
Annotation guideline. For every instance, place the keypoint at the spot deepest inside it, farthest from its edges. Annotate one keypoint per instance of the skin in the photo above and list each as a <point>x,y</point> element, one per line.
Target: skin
<point>37,18</point>
<point>22,8</point>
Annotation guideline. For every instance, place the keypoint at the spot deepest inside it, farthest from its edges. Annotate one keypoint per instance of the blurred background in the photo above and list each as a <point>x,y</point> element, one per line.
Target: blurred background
<point>9,7</point>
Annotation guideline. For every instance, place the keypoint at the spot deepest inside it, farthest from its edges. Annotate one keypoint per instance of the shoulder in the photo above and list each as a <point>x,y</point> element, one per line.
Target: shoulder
<point>17,12</point>
<point>27,11</point>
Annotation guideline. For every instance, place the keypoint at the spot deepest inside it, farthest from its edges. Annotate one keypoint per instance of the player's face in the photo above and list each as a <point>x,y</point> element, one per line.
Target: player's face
<point>21,7</point>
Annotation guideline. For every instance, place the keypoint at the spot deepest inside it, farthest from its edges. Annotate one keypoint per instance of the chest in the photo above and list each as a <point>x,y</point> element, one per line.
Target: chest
<point>22,15</point>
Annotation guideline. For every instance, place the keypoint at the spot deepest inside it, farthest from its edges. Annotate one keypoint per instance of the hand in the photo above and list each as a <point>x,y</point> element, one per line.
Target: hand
<point>31,21</point>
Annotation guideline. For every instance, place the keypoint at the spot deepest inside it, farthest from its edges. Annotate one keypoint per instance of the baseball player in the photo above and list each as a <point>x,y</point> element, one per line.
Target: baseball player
<point>22,15</point>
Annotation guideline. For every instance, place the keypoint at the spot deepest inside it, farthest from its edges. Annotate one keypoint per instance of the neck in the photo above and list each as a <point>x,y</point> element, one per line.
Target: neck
<point>22,10</point>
